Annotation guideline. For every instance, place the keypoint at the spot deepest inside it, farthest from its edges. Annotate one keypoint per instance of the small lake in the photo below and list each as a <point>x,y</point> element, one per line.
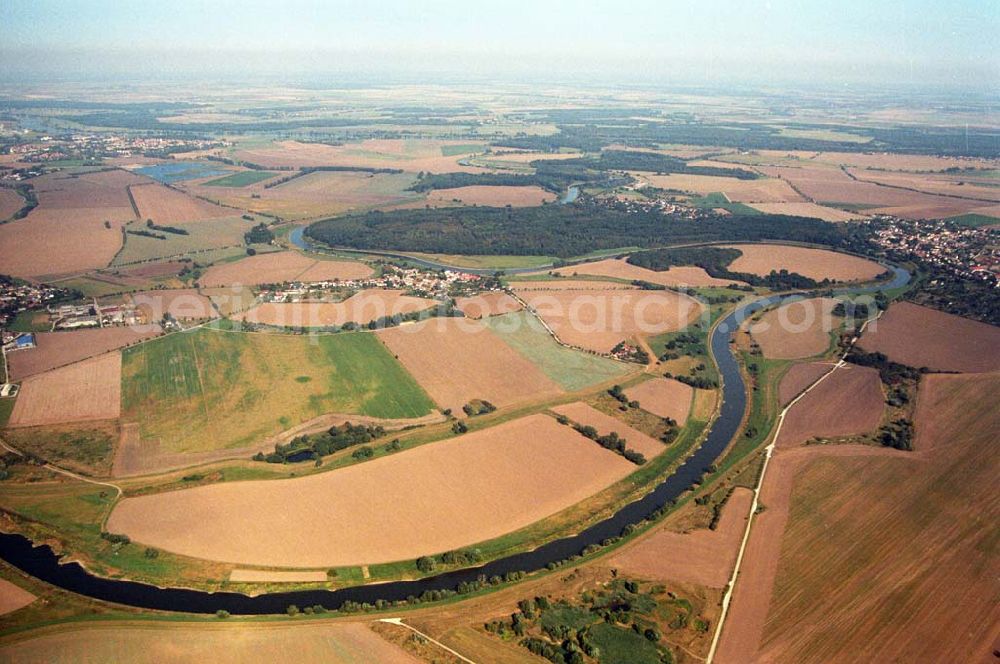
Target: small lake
<point>177,171</point>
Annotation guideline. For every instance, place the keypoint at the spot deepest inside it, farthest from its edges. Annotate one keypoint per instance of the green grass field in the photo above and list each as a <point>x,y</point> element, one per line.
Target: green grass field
<point>452,150</point>
<point>572,369</point>
<point>975,220</point>
<point>202,236</point>
<point>241,179</point>
<point>32,321</point>
<point>719,200</point>
<point>623,646</point>
<point>211,389</point>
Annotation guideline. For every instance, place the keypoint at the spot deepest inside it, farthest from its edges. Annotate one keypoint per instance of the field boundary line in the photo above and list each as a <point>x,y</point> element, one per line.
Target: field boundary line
<point>399,621</point>
<point>768,452</point>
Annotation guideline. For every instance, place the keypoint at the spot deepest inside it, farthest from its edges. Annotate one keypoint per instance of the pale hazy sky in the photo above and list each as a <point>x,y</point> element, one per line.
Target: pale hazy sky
<point>815,41</point>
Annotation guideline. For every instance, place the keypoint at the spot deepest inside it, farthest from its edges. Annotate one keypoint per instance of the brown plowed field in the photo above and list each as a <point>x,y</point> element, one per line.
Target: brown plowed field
<point>279,267</point>
<point>799,377</point>
<point>458,360</point>
<point>10,203</point>
<point>493,196</point>
<point>705,557</point>
<point>808,210</point>
<point>582,413</point>
<point>236,643</point>
<point>795,330</point>
<point>922,337</point>
<point>484,305</point>
<point>848,401</point>
<point>761,259</point>
<point>767,190</point>
<point>887,556</point>
<point>165,205</point>
<point>56,349</point>
<point>620,269</point>
<point>88,390</point>
<point>665,397</point>
<point>361,308</point>
<point>433,498</point>
<point>598,320</point>
<point>181,303</point>
<point>411,155</point>
<point>13,597</point>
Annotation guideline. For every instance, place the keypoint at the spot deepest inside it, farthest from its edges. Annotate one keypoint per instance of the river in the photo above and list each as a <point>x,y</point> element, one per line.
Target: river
<point>43,564</point>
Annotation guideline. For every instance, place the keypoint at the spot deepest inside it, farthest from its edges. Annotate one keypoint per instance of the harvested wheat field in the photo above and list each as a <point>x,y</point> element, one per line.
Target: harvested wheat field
<point>57,349</point>
<point>484,305</point>
<point>280,267</point>
<point>703,556</point>
<point>766,190</point>
<point>318,194</point>
<point>493,196</point>
<point>902,162</point>
<point>165,205</point>
<point>13,597</point>
<point>808,210</point>
<point>799,377</point>
<point>619,268</point>
<point>568,284</point>
<point>457,360</point>
<point>818,264</point>
<point>272,576</point>
<point>665,397</point>
<point>411,155</point>
<point>433,498</point>
<point>964,185</point>
<point>361,308</point>
<point>797,329</point>
<point>921,337</point>
<point>884,557</point>
<point>181,303</point>
<point>237,643</point>
<point>598,320</point>
<point>849,401</point>
<point>10,202</point>
<point>581,413</point>
<point>88,390</point>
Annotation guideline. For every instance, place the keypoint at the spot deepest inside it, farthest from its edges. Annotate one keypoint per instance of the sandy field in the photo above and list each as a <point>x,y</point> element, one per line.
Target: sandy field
<point>582,413</point>
<point>279,267</point>
<point>766,190</point>
<point>882,558</point>
<point>361,308</point>
<point>88,390</point>
<point>271,576</point>
<point>13,597</point>
<point>411,155</point>
<point>797,329</point>
<point>848,401</point>
<point>704,556</point>
<point>484,305</point>
<point>620,269</point>
<point>492,196</point>
<point>457,360</point>
<point>323,193</point>
<point>56,349</point>
<point>165,205</point>
<point>598,321</point>
<point>665,397</point>
<point>433,498</point>
<point>808,210</point>
<point>818,264</point>
<point>921,337</point>
<point>181,303</point>
<point>799,377</point>
<point>235,643</point>
<point>10,203</point>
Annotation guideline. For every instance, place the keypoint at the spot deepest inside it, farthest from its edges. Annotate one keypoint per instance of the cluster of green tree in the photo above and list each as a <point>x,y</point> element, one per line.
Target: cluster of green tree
<point>891,373</point>
<point>115,538</point>
<point>897,434</point>
<point>715,261</point>
<point>630,353</point>
<point>456,558</point>
<point>554,230</point>
<point>478,407</point>
<point>145,233</point>
<point>166,229</point>
<point>259,234</point>
<point>634,160</point>
<point>619,395</point>
<point>699,382</point>
<point>428,596</point>
<point>317,445</point>
<point>611,441</point>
